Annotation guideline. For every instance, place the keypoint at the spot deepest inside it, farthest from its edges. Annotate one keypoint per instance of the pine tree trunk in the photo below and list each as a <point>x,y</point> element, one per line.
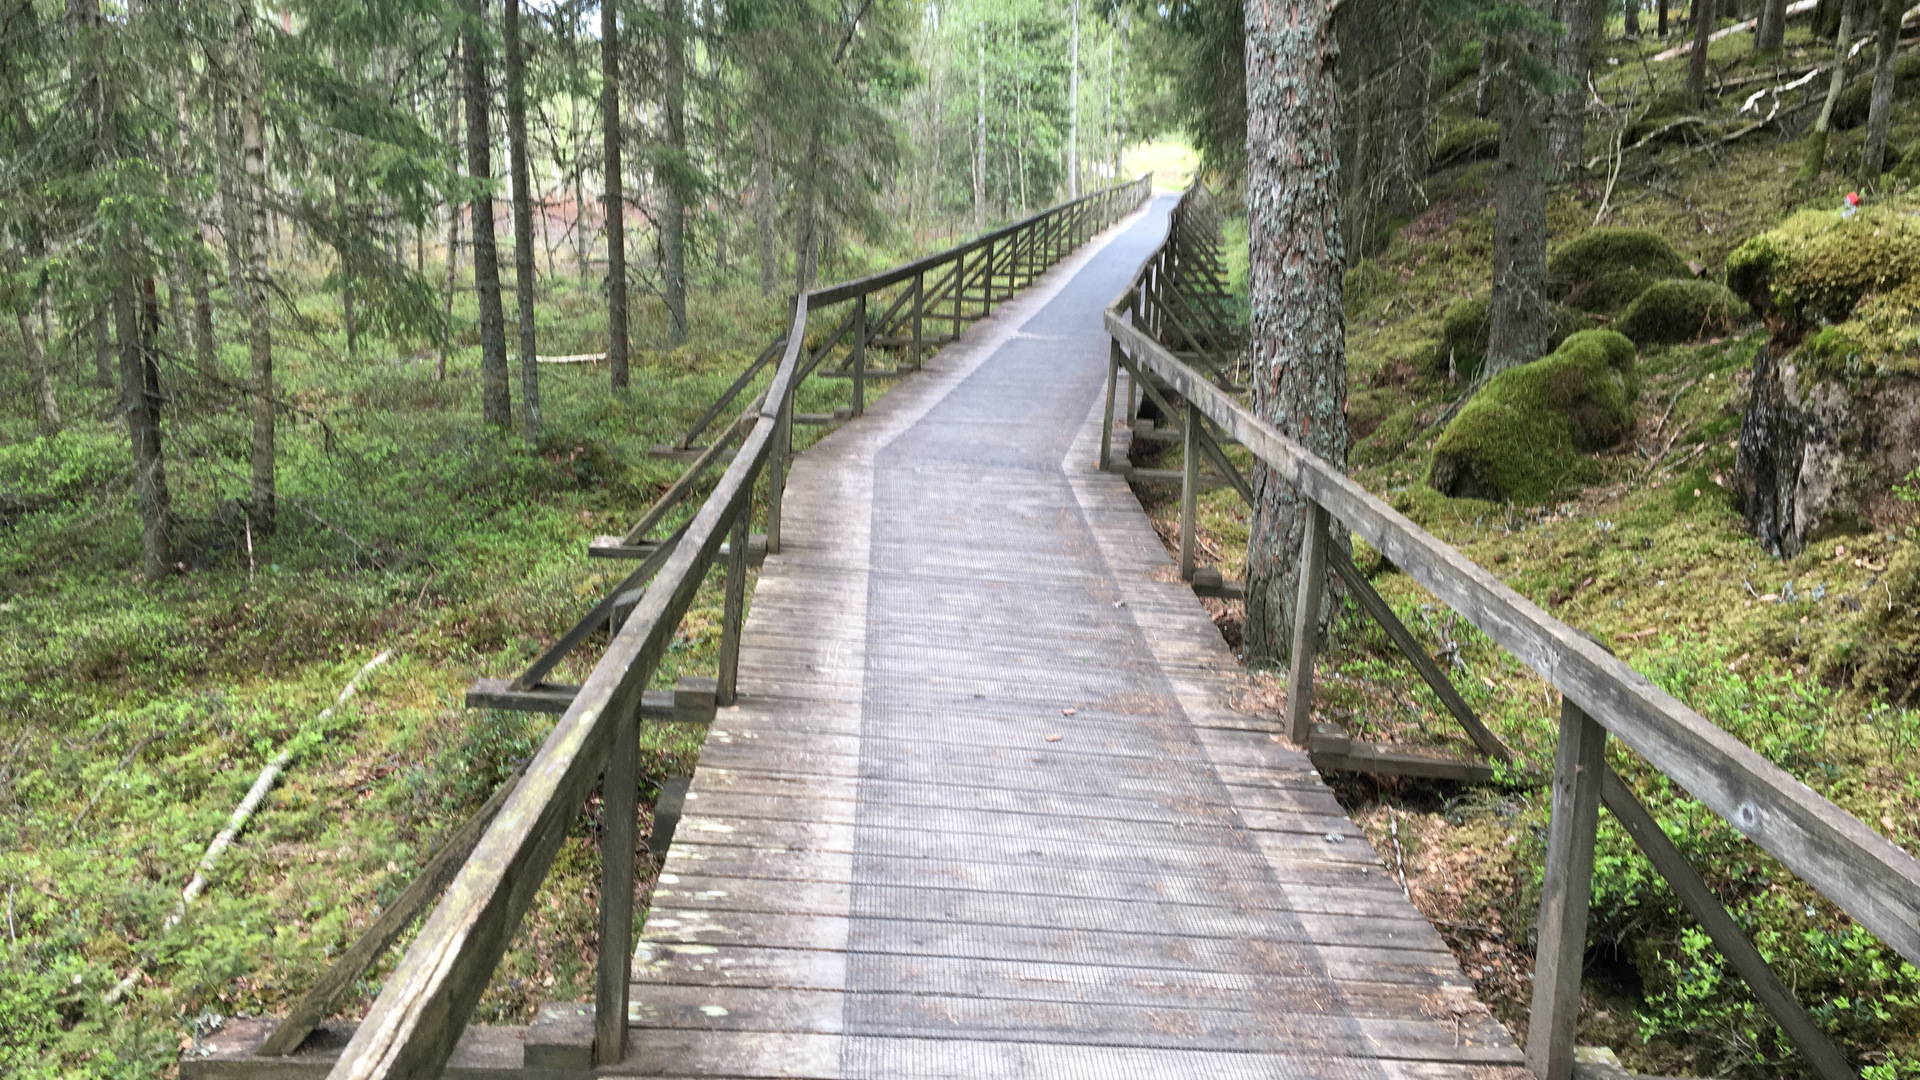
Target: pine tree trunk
<point>496,405</point>
<point>1816,149</point>
<point>1631,20</point>
<point>711,19</point>
<point>806,246</point>
<point>348,322</point>
<point>1299,367</point>
<point>201,329</point>
<point>616,226</point>
<point>1873,156</point>
<point>763,204</point>
<point>1567,139</point>
<point>1410,112</point>
<point>980,144</point>
<point>456,96</point>
<point>1703,17</point>
<point>233,220</point>
<point>1517,310</point>
<point>137,401</point>
<point>253,151</point>
<point>39,380</point>
<point>523,269</point>
<point>102,349</point>
<point>1771,34</point>
<point>1661,26</point>
<point>673,229</point>
<point>1073,107</point>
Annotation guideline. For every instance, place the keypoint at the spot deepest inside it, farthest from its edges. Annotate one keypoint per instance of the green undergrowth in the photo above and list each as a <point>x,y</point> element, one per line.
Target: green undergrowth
<point>133,718</point>
<point>1803,660</point>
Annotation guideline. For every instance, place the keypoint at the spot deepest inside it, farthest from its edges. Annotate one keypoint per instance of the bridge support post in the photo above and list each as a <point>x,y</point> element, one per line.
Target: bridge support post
<point>1579,771</point>
<point>1190,491</point>
<point>919,305</point>
<point>860,355</point>
<point>777,469</point>
<point>1113,387</point>
<point>619,805</point>
<point>733,609</point>
<point>959,290</point>
<point>1306,624</point>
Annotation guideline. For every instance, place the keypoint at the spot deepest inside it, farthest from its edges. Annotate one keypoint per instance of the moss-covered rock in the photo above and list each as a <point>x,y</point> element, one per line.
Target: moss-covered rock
<point>1469,140</point>
<point>1603,270</point>
<point>1817,266</point>
<point>1522,436</point>
<point>1659,114</point>
<point>1681,310</point>
<point>1465,330</point>
<point>1878,650</point>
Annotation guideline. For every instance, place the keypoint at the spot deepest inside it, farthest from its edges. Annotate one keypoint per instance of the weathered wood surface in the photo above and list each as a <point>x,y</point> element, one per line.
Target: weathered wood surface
<point>984,807</point>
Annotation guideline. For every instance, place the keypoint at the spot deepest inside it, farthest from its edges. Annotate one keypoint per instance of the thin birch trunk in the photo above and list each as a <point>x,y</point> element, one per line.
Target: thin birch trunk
<point>523,268</point>
<point>253,152</point>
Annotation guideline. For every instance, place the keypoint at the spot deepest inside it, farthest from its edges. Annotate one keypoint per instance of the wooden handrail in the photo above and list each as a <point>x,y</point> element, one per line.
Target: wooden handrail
<point>1861,872</point>
<point>423,1009</point>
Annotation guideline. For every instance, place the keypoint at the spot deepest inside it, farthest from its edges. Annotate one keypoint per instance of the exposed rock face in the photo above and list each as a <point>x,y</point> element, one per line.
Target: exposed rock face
<point>1833,420</point>
<point>1819,456</point>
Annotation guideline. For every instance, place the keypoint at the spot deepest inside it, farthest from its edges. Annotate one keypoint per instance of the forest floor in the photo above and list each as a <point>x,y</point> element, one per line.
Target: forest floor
<point>1654,559</point>
<point>134,718</point>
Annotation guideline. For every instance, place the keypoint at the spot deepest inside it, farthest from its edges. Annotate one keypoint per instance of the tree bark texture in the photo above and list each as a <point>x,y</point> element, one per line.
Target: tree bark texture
<point>253,163</point>
<point>201,327</point>
<point>139,390</point>
<point>1816,150</point>
<point>615,195</point>
<point>1517,308</point>
<point>1631,20</point>
<point>496,406</point>
<point>980,143</point>
<point>1404,196</point>
<point>1873,156</point>
<point>1703,18</point>
<point>523,268</point>
<point>1567,139</point>
<point>1771,34</point>
<point>39,380</point>
<point>1073,106</point>
<point>454,105</point>
<point>673,208</point>
<point>763,204</point>
<point>1299,368</point>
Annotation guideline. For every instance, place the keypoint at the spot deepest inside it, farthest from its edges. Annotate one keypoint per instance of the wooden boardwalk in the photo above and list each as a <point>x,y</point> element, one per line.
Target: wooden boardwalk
<point>984,808</point>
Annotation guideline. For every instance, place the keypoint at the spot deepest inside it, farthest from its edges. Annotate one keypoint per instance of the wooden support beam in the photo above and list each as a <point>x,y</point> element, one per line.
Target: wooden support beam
<point>1208,582</point>
<point>615,547</point>
<point>1578,771</point>
<point>690,702</point>
<point>1306,623</point>
<point>1332,750</point>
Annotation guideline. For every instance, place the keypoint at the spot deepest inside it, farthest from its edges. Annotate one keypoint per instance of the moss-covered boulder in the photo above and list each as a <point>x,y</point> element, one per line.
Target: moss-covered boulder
<point>1465,330</point>
<point>1471,139</point>
<point>1833,417</point>
<point>1523,435</point>
<point>1603,270</point>
<point>1682,309</point>
<point>1878,650</point>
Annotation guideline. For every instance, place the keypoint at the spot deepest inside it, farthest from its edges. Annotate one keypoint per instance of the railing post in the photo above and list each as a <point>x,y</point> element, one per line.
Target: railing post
<point>860,355</point>
<point>986,281</point>
<point>919,300</point>
<point>619,805</point>
<point>959,287</point>
<point>1579,770</point>
<point>1306,624</point>
<point>1113,385</point>
<point>733,607</point>
<point>777,469</point>
<point>1189,491</point>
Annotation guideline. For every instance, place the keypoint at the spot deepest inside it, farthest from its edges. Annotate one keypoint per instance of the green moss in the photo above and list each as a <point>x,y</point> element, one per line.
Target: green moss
<point>1465,330</point>
<point>1602,270</point>
<point>1817,265</point>
<point>1471,139</point>
<point>1850,110</point>
<point>1681,310</point>
<point>1880,651</point>
<point>1522,435</point>
<point>1665,107</point>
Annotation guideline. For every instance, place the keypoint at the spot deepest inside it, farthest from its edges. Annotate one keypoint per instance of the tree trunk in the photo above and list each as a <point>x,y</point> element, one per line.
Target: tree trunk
<point>1661,26</point>
<point>1073,107</point>
<point>980,144</point>
<point>456,96</point>
<point>1517,311</point>
<point>138,394</point>
<point>616,226</point>
<point>1410,111</point>
<point>523,270</point>
<point>496,405</point>
<point>1816,151</point>
<point>1771,34</point>
<point>806,246</point>
<point>39,380</point>
<point>102,349</point>
<point>763,204</point>
<point>253,152</point>
<point>201,328</point>
<point>348,322</point>
<point>1873,156</point>
<point>233,220</point>
<point>710,17</point>
<point>1631,20</point>
<point>1703,18</point>
<point>1296,258</point>
<point>673,203</point>
<point>1567,139</point>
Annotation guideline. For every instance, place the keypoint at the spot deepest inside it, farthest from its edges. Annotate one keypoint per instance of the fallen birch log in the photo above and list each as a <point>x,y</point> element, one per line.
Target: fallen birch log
<point>1800,7</point>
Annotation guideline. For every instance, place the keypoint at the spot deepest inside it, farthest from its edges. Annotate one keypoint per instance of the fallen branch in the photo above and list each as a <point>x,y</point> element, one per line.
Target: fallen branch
<point>255,795</point>
<point>582,358</point>
<point>1801,7</point>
